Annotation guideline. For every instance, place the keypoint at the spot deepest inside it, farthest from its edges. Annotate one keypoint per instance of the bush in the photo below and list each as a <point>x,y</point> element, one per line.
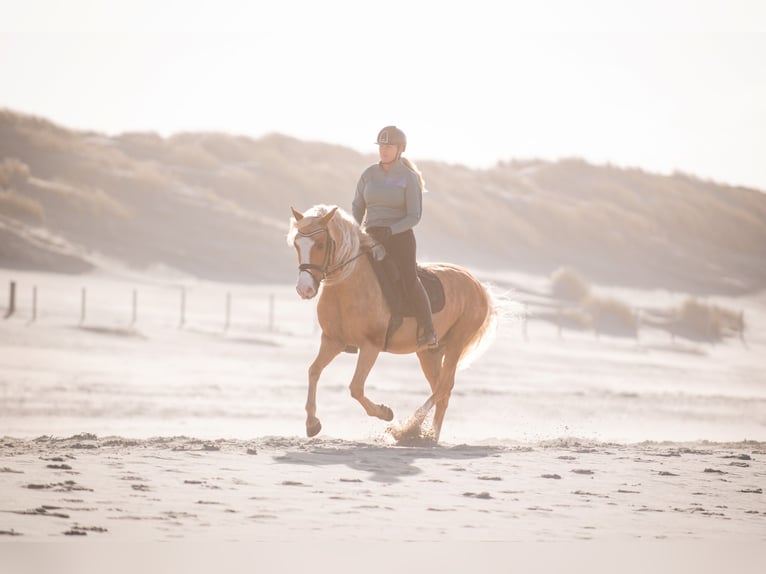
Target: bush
<point>13,172</point>
<point>702,321</point>
<point>17,206</point>
<point>611,316</point>
<point>569,285</point>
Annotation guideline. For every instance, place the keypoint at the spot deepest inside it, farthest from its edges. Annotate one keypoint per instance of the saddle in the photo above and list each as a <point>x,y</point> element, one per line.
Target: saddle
<point>389,277</point>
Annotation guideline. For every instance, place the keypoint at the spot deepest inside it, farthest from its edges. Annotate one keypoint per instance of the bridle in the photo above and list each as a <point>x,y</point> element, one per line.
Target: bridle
<point>328,254</point>
<point>324,269</point>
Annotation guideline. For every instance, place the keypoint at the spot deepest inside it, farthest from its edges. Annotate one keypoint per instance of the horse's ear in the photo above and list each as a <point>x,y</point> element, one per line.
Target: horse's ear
<point>297,214</point>
<point>325,219</point>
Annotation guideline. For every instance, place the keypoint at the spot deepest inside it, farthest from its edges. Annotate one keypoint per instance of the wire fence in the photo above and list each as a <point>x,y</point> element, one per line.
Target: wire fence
<point>113,304</point>
<point>224,308</point>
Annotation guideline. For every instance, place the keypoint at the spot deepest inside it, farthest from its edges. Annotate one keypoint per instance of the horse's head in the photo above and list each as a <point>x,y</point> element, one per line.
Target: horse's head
<point>311,237</point>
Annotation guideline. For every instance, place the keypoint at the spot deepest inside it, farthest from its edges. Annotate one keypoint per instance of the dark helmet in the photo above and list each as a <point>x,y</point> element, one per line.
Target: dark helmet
<point>392,135</point>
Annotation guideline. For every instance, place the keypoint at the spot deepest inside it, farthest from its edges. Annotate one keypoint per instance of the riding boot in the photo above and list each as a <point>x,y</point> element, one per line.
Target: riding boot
<point>426,336</point>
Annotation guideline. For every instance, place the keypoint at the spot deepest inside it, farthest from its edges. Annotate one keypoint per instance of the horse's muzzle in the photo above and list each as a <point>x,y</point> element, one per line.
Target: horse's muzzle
<point>307,286</point>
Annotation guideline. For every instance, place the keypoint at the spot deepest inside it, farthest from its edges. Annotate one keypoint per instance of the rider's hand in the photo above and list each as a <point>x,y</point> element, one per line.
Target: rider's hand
<point>378,252</point>
<point>379,233</point>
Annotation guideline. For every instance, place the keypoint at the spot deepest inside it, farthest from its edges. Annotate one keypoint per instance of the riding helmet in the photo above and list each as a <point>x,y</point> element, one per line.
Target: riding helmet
<point>392,135</point>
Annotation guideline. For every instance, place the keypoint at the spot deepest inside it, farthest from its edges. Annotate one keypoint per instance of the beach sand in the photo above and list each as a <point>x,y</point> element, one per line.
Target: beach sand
<point>289,489</point>
<point>559,450</point>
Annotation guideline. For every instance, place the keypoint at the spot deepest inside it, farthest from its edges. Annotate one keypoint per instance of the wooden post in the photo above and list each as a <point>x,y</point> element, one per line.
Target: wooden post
<point>271,313</point>
<point>228,312</point>
<point>11,300</point>
<point>742,326</point>
<point>34,304</point>
<point>135,307</point>
<point>183,308</point>
<point>83,304</point>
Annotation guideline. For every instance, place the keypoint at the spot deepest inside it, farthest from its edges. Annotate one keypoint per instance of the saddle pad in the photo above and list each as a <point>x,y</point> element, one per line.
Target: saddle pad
<point>434,288</point>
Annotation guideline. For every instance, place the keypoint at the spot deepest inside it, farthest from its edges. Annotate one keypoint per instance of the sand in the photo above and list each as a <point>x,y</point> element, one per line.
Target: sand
<point>288,489</point>
<point>122,432</point>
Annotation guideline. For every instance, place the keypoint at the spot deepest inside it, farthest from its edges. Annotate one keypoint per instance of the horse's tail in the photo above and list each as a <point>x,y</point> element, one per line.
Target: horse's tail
<point>485,334</point>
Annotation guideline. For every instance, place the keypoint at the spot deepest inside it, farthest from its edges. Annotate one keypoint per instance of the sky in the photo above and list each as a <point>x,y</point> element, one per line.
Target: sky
<point>662,85</point>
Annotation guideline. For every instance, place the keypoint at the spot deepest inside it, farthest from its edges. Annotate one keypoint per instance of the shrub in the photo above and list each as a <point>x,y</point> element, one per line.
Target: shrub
<point>17,206</point>
<point>703,321</point>
<point>569,285</point>
<point>13,172</point>
<point>611,316</point>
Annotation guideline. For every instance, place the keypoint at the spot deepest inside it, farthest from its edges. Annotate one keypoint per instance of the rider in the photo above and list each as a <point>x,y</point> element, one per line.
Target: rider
<point>388,203</point>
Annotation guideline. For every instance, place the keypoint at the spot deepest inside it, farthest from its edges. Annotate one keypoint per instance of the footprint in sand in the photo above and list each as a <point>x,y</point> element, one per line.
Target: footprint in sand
<point>480,495</point>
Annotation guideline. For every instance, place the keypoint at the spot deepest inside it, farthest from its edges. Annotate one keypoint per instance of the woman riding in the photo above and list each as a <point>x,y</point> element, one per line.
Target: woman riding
<point>388,204</point>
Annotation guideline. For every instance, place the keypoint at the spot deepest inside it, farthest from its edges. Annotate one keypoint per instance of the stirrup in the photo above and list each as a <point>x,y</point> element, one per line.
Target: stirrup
<point>428,340</point>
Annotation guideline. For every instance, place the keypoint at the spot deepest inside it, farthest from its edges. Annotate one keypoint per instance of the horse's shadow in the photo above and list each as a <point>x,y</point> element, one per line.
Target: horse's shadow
<point>384,463</point>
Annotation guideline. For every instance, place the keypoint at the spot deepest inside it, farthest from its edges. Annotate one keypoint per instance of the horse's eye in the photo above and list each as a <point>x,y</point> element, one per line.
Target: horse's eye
<point>320,245</point>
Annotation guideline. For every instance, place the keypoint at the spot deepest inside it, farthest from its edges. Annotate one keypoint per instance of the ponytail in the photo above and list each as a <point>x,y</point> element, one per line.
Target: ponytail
<point>412,167</point>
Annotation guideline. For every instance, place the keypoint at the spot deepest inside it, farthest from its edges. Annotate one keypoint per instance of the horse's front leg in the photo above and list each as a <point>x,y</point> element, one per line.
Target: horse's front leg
<point>328,350</point>
<point>368,354</point>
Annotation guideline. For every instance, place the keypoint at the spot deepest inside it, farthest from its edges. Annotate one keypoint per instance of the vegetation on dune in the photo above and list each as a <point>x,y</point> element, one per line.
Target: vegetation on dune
<point>217,206</point>
<point>569,285</point>
<point>700,320</point>
<point>578,308</point>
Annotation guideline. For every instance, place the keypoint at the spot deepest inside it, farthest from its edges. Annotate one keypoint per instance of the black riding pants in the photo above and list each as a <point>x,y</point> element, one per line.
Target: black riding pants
<point>401,247</point>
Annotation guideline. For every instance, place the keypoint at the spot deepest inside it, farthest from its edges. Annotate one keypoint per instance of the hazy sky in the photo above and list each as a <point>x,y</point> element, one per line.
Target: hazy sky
<point>657,84</point>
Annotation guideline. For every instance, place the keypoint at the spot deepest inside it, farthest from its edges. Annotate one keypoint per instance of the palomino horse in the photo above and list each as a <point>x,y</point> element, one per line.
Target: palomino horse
<point>332,249</point>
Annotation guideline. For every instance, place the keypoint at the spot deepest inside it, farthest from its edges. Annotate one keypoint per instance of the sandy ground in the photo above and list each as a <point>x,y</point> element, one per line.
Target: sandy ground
<point>117,431</point>
<point>292,489</point>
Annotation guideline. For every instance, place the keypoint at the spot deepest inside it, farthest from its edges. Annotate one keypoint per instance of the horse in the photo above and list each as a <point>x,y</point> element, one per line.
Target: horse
<point>352,312</point>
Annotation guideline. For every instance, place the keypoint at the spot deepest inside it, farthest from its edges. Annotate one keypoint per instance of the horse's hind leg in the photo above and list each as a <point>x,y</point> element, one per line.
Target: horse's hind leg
<point>368,354</point>
<point>441,388</point>
<point>443,392</point>
<point>431,363</point>
<point>328,350</point>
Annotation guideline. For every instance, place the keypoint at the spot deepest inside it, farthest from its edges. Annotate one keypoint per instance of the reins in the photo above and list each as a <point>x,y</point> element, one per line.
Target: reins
<point>341,265</point>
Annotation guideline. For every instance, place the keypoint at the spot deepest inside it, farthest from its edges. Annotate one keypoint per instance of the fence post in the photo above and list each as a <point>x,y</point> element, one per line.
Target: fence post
<point>83,304</point>
<point>183,308</point>
<point>228,312</point>
<point>11,300</point>
<point>271,313</point>
<point>34,304</point>
<point>742,326</point>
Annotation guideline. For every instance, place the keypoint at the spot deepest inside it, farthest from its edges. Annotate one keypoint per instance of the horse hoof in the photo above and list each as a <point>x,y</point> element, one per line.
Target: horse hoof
<point>313,429</point>
<point>387,414</point>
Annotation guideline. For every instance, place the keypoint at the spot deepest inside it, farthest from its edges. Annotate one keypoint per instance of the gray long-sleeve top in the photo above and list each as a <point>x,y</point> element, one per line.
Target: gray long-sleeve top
<point>390,199</point>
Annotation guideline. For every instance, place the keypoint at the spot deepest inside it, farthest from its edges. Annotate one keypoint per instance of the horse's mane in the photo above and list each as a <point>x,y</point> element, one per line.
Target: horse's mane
<point>344,230</point>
